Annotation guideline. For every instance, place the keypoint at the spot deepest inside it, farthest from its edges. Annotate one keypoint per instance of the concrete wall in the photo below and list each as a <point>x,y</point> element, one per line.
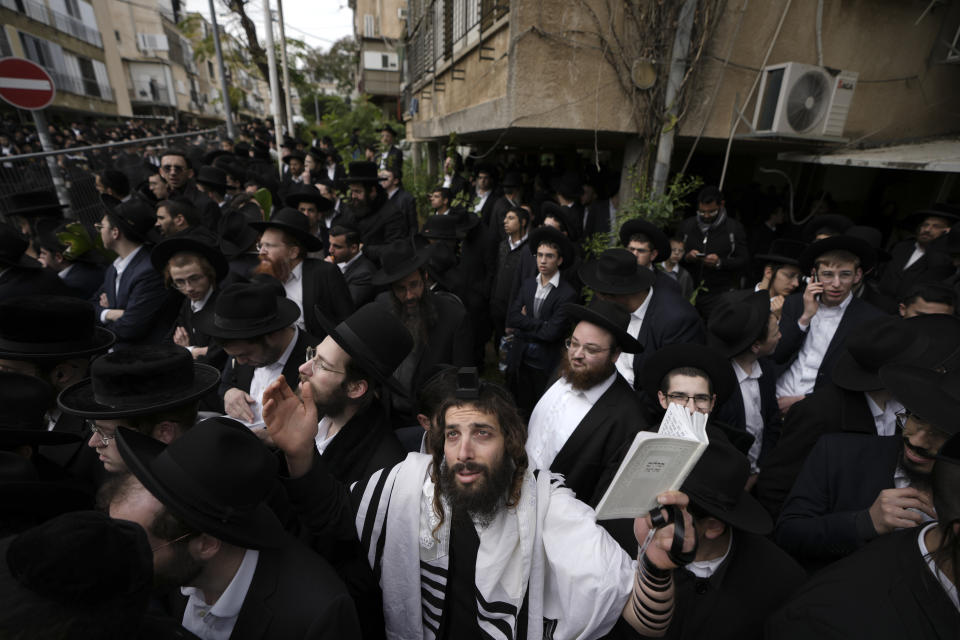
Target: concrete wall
<point>385,15</point>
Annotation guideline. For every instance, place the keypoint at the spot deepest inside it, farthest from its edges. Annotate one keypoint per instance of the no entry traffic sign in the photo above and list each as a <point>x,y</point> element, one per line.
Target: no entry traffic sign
<point>25,84</point>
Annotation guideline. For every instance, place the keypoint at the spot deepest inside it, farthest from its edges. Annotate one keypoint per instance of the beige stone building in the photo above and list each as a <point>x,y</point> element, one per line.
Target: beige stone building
<point>504,73</point>
<point>379,27</point>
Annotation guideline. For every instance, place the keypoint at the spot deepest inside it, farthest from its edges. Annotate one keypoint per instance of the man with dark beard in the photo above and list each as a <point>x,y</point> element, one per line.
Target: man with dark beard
<point>372,212</point>
<point>584,423</point>
<point>229,567</point>
<point>437,323</point>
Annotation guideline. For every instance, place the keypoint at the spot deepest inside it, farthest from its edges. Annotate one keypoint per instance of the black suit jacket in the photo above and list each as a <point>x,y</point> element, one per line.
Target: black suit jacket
<point>538,341</point>
<point>733,414</point>
<point>829,410</point>
<point>670,319</point>
<point>598,218</point>
<point>882,592</point>
<point>405,203</point>
<point>85,278</point>
<point>16,282</point>
<point>380,227</point>
<point>932,266</point>
<point>325,287</point>
<point>359,280</point>
<point>826,516</point>
<point>241,375</point>
<point>294,594</point>
<point>792,338</point>
<point>149,309</point>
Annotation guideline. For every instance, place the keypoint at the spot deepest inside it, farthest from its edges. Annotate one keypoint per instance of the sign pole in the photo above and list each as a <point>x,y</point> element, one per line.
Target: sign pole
<point>40,122</point>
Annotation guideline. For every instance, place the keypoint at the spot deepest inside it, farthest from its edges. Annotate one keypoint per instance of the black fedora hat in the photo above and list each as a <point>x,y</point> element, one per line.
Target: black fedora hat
<point>552,235</point>
<point>236,234</point>
<point>242,150</point>
<point>137,220</point>
<point>609,316</point>
<point>857,246</point>
<point>466,220</point>
<point>442,227</point>
<point>377,341</point>
<point>25,400</point>
<point>673,356</point>
<point>362,172</point>
<point>387,127</point>
<point>947,212</point>
<point>41,202</point>
<point>737,322</point>
<point>294,223</point>
<point>49,328</point>
<point>318,154</point>
<point>782,251</point>
<point>832,223</point>
<point>216,477</point>
<point>658,239</point>
<point>873,344</point>
<point>873,237</point>
<point>398,260</point>
<point>12,248</point>
<point>932,395</point>
<point>210,156</point>
<point>169,247</point>
<point>27,497</point>
<point>512,180</point>
<point>138,380</point>
<point>616,272</point>
<point>716,483</point>
<point>294,155</point>
<point>243,311</point>
<point>306,193</point>
<point>569,185</point>
<point>213,177</point>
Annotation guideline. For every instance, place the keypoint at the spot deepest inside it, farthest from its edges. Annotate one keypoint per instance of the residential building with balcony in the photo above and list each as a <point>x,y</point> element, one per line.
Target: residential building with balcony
<point>379,26</point>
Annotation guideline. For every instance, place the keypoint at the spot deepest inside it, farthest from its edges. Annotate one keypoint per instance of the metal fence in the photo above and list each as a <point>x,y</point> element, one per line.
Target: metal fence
<point>70,172</point>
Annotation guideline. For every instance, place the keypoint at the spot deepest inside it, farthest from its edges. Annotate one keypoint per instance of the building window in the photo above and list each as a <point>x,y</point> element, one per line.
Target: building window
<point>116,34</point>
<point>369,26</point>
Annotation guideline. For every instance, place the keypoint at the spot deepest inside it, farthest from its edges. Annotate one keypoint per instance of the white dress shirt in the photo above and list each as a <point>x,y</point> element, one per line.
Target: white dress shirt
<point>481,200</point>
<point>263,376</point>
<point>543,290</point>
<point>216,621</point>
<point>916,255</point>
<point>513,245</point>
<point>556,416</point>
<point>120,265</point>
<point>885,419</point>
<point>801,377</point>
<point>625,361</point>
<point>346,265</point>
<point>294,288</point>
<point>323,428</point>
<point>197,305</point>
<point>62,274</point>
<point>944,581</point>
<point>752,413</point>
<point>704,569</point>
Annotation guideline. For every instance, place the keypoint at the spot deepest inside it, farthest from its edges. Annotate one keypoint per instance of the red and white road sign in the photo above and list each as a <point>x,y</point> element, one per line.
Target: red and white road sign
<point>25,84</point>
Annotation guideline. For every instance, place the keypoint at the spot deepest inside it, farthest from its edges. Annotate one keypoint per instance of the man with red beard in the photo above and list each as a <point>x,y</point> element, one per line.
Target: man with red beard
<point>284,243</point>
<point>584,423</point>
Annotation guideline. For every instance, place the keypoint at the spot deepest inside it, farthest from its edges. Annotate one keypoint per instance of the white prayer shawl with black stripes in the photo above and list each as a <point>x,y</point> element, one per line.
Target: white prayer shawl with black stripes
<point>549,548</point>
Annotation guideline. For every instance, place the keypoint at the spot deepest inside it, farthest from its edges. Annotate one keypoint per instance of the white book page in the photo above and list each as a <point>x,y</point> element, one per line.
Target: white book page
<point>677,423</point>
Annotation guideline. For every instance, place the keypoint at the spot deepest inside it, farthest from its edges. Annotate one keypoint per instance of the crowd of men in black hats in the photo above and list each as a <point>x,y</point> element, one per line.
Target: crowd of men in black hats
<point>246,403</point>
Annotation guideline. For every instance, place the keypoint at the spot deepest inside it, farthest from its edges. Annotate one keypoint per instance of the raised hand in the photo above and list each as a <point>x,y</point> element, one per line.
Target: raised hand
<point>656,552</point>
<point>291,423</point>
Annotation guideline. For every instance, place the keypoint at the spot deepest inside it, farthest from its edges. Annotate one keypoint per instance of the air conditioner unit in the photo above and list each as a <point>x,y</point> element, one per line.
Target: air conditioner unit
<point>803,101</point>
<point>401,13</point>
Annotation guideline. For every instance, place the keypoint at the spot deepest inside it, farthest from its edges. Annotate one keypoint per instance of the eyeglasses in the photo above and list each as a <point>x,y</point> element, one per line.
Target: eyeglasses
<point>194,280</point>
<point>267,246</point>
<point>104,437</point>
<point>170,542</point>
<point>589,349</point>
<point>700,400</point>
<point>314,361</point>
<point>172,168</point>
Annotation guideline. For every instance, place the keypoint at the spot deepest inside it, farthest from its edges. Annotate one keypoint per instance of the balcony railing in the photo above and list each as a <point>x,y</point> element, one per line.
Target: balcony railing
<point>62,22</point>
<point>156,93</point>
<point>80,85</point>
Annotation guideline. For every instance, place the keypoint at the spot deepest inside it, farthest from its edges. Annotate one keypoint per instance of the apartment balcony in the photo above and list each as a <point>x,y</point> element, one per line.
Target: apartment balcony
<point>62,22</point>
<point>80,85</point>
<point>152,92</point>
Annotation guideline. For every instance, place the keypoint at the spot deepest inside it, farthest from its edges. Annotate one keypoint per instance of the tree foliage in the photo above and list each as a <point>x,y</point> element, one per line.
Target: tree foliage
<point>338,64</point>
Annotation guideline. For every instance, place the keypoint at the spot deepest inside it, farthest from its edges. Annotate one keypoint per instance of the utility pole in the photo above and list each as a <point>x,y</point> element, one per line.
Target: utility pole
<point>227,109</point>
<point>286,70</point>
<point>274,86</point>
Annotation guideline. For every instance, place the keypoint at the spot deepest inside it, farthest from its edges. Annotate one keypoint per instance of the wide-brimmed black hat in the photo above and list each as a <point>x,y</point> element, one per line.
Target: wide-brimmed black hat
<point>782,251</point>
<point>52,561</point>
<point>737,321</point>
<point>569,185</point>
<point>466,219</point>
<point>857,246</point>
<point>658,239</point>
<point>306,193</point>
<point>673,356</point>
<point>216,477</point>
<point>512,180</point>
<point>947,212</point>
<point>387,127</point>
<point>442,227</point>
<point>398,260</point>
<point>873,237</point>
<point>716,483</point>
<point>27,204</point>
<point>551,209</point>
<point>294,223</point>
<point>318,154</point>
<point>24,495</point>
<point>236,234</point>
<point>944,480</point>
<point>210,156</point>
<point>934,396</point>
<point>376,341</point>
<point>25,400</point>
<point>360,171</point>
<point>213,177</point>
<point>609,316</point>
<point>139,380</point>
<point>552,235</point>
<point>243,311</point>
<point>169,247</point>
<point>616,272</point>
<point>137,219</point>
<point>298,155</point>
<point>44,328</point>
<point>926,341</point>
<point>836,223</point>
<point>12,248</point>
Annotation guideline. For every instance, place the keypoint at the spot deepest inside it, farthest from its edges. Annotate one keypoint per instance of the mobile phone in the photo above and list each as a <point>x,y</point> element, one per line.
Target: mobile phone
<point>815,278</point>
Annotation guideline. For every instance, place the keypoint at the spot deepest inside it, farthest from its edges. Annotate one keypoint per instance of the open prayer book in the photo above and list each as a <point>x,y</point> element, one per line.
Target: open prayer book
<point>656,462</point>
